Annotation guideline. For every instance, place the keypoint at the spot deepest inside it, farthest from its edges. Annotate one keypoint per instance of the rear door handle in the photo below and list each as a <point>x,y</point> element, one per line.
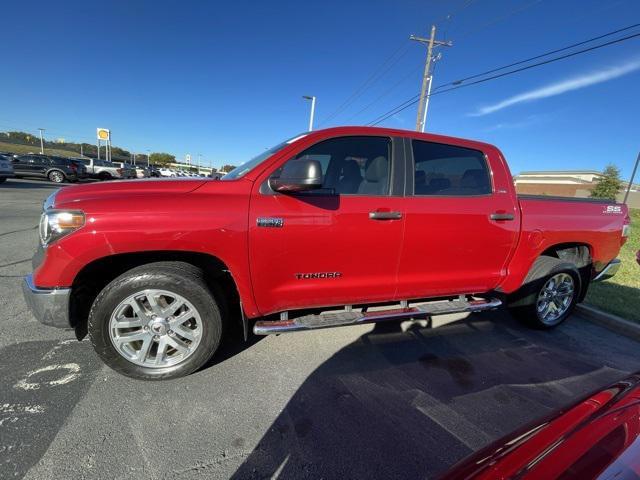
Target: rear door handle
<point>385,215</point>
<point>502,216</point>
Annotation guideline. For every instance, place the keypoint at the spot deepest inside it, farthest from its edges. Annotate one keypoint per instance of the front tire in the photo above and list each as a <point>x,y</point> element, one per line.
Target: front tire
<point>157,321</point>
<point>549,294</point>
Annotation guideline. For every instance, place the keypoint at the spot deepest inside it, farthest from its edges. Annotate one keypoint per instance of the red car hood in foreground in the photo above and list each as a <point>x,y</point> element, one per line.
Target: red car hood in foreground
<point>597,437</point>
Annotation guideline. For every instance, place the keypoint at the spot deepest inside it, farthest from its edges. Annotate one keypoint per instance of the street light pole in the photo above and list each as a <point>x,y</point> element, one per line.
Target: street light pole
<point>313,109</point>
<point>148,157</point>
<point>41,141</point>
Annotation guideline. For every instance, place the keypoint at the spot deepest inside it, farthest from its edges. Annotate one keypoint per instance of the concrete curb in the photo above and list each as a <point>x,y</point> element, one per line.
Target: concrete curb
<point>610,321</point>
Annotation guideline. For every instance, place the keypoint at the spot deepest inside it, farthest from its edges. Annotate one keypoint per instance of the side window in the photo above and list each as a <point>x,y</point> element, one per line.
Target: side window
<point>449,170</point>
<point>353,165</point>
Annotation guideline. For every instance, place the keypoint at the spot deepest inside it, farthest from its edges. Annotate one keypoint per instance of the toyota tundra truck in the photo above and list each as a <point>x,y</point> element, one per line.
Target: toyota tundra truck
<point>313,233</point>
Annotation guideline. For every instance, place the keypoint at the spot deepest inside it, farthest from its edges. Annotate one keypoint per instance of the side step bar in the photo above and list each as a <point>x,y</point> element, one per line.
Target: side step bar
<point>347,317</point>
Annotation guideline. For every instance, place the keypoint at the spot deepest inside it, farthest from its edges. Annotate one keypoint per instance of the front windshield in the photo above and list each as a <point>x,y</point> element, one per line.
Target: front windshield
<point>246,167</point>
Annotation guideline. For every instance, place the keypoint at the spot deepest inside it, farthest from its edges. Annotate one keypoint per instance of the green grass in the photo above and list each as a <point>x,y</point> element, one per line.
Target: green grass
<point>621,294</point>
<point>22,149</point>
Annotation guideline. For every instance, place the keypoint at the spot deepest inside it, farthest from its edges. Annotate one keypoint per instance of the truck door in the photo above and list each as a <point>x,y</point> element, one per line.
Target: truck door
<point>460,229</point>
<point>335,246</point>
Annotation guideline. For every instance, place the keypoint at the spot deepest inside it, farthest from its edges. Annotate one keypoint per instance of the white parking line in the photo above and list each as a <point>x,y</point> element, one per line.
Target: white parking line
<point>72,368</point>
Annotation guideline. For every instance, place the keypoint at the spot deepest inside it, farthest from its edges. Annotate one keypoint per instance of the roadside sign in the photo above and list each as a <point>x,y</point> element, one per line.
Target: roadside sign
<point>103,134</point>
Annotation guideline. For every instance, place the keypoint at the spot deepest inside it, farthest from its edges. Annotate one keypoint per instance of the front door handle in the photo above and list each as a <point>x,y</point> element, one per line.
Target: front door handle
<point>385,215</point>
<point>501,216</point>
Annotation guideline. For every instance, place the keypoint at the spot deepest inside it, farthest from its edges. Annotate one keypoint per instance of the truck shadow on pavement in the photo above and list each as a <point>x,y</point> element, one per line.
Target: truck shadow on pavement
<point>409,404</point>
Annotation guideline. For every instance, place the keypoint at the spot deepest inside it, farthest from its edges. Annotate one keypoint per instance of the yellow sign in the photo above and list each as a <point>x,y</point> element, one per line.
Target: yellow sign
<point>103,134</point>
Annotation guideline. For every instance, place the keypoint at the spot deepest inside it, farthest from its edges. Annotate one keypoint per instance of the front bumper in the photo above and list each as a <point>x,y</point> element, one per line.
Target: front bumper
<point>49,306</point>
<point>609,271</point>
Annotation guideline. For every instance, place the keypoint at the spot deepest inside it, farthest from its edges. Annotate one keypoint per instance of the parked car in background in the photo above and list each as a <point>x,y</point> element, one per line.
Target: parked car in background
<point>167,172</point>
<point>6,169</point>
<point>128,170</point>
<point>142,172</point>
<point>55,169</point>
<point>101,169</point>
<point>416,223</point>
<point>81,167</point>
<point>154,171</point>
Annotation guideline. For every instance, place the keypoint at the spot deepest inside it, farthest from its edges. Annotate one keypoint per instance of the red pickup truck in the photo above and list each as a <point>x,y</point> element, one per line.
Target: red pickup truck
<point>312,233</point>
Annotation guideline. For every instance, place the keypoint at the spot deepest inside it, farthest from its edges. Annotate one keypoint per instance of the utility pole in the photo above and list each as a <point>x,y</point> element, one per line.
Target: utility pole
<point>427,76</point>
<point>41,141</point>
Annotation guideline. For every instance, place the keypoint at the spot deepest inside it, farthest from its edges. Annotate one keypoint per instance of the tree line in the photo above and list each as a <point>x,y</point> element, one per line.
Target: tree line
<point>90,150</point>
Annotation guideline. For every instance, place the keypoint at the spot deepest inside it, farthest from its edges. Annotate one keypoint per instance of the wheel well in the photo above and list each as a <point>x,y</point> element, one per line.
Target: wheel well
<point>99,273</point>
<point>580,255</point>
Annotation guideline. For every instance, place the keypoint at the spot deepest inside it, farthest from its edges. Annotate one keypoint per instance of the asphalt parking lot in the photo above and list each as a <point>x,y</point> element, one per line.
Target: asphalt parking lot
<point>355,402</point>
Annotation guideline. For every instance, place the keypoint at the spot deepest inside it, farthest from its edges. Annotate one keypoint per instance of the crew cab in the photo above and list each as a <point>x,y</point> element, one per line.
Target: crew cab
<point>311,234</point>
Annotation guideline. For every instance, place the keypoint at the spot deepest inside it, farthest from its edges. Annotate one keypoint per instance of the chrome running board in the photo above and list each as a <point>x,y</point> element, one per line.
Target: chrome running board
<point>350,317</point>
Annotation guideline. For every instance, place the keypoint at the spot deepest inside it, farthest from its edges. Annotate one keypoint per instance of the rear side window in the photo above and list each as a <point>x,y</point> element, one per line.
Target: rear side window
<point>449,170</point>
<point>353,165</point>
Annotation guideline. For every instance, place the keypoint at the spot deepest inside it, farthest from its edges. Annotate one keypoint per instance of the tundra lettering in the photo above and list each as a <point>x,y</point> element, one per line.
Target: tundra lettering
<point>305,276</point>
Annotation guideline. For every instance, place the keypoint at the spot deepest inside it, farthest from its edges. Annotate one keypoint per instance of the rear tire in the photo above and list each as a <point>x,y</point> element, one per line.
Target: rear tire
<point>56,176</point>
<point>549,293</point>
<point>134,331</point>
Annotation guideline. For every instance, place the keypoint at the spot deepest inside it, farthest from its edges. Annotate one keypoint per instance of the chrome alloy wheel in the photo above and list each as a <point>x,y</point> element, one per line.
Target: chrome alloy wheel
<point>155,328</point>
<point>555,298</point>
<point>56,177</point>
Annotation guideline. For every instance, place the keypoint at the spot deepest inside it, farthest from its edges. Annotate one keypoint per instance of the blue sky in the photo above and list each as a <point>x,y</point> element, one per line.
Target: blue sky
<point>225,79</point>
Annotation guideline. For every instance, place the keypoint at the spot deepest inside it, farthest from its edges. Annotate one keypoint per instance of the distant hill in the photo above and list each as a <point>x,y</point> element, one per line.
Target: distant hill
<point>23,142</point>
<point>22,149</point>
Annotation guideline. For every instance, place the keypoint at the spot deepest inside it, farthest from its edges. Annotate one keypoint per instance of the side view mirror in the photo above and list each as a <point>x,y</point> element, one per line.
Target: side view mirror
<point>298,176</point>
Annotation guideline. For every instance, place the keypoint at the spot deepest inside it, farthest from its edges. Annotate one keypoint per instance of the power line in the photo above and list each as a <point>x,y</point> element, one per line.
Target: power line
<point>551,52</point>
<point>385,93</point>
<point>375,75</point>
<point>498,19</point>
<point>411,101</point>
<point>561,57</point>
<point>370,80</point>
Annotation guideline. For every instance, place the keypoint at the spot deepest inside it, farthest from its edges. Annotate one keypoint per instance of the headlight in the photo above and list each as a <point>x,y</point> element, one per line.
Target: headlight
<point>55,224</point>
